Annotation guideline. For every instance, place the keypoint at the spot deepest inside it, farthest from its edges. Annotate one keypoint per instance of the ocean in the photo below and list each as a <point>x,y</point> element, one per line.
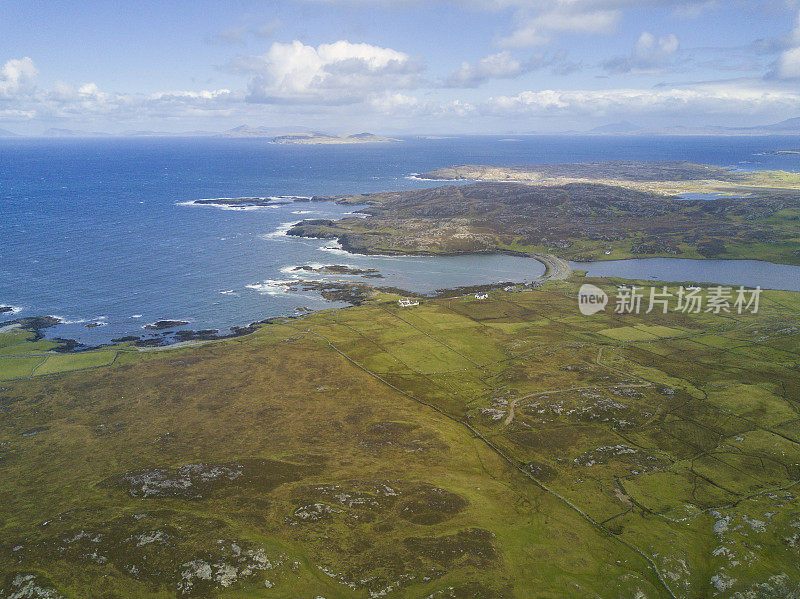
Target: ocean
<point>98,231</point>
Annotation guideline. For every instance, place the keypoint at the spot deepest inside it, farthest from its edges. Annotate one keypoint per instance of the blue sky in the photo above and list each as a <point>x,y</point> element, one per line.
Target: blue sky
<point>401,66</point>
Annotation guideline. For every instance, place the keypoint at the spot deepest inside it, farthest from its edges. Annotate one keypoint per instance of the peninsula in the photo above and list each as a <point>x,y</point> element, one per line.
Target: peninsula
<point>583,212</point>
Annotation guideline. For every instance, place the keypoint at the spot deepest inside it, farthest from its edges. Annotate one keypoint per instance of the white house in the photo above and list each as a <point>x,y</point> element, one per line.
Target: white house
<point>481,296</point>
<point>407,303</point>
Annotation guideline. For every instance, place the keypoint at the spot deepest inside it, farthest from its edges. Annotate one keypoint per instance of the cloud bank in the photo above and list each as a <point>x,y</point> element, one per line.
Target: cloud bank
<point>22,99</point>
<point>787,66</point>
<point>676,102</point>
<point>343,83</point>
<point>337,73</point>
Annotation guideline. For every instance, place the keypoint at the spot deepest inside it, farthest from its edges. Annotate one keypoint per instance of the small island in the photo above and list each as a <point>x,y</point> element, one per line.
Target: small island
<point>241,202</point>
<point>317,138</point>
<point>339,269</point>
<point>779,152</point>
<point>160,325</point>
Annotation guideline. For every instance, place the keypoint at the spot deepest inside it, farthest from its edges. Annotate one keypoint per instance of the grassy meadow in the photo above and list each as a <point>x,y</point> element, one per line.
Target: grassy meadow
<point>461,448</point>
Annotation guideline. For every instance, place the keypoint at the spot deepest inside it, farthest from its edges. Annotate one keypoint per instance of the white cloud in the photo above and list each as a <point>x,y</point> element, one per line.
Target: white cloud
<point>787,66</point>
<point>90,90</point>
<point>649,54</point>
<point>191,95</point>
<point>393,103</point>
<point>536,30</point>
<point>693,10</point>
<point>302,78</point>
<point>231,35</point>
<point>17,76</point>
<point>681,102</point>
<point>62,91</point>
<point>495,66</point>
<point>337,73</point>
<point>537,21</point>
<point>403,106</point>
<point>455,108</point>
<point>503,65</point>
<point>647,46</point>
<point>242,33</point>
<point>21,99</point>
<point>681,6</point>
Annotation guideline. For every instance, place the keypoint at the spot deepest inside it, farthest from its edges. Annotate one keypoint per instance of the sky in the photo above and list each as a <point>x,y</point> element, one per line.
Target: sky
<point>397,66</point>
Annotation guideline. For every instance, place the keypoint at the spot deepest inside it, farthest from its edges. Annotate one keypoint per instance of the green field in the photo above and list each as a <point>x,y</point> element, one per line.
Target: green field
<point>21,356</point>
<point>461,448</point>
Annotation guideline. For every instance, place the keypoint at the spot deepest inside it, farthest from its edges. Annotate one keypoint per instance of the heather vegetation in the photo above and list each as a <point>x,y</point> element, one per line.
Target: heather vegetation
<point>460,448</point>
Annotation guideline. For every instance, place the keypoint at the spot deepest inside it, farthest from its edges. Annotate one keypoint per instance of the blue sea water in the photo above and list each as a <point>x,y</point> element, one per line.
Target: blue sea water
<point>96,230</point>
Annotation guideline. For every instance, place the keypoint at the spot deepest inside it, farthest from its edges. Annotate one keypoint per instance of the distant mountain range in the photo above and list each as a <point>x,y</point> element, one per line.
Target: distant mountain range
<point>315,137</point>
<point>55,132</point>
<point>787,127</point>
<point>248,131</point>
<point>305,136</point>
<point>614,128</point>
<point>162,134</point>
<point>281,135</point>
<point>301,136</point>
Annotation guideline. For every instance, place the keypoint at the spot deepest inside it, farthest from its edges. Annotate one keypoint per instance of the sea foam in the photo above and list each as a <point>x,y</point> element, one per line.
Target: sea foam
<point>334,247</point>
<point>272,287</point>
<point>281,231</point>
<point>223,206</point>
